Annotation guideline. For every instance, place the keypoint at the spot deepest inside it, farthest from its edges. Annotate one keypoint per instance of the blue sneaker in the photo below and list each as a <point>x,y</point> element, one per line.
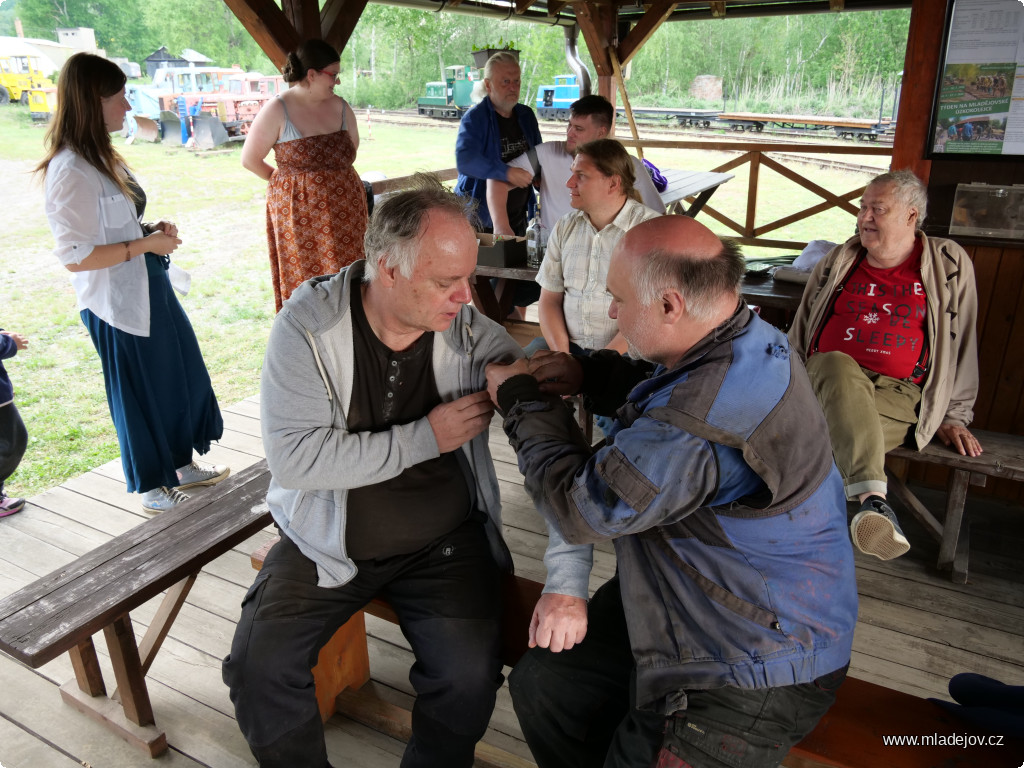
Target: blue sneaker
<point>162,499</point>
<point>196,474</point>
<point>876,531</point>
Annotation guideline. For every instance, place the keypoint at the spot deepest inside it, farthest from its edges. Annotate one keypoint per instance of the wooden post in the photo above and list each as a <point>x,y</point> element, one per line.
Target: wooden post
<point>920,72</point>
<point>755,165</point>
<point>625,99</point>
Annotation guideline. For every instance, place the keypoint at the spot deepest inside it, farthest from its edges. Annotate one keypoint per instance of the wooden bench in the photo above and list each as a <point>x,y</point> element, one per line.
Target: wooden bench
<point>1003,457</point>
<point>60,612</point>
<point>850,735</point>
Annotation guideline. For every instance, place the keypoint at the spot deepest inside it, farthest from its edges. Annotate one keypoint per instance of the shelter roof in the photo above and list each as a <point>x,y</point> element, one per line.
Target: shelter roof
<point>562,11</point>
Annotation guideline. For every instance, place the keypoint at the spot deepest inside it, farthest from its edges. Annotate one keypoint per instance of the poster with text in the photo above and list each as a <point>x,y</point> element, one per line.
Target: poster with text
<point>980,107</point>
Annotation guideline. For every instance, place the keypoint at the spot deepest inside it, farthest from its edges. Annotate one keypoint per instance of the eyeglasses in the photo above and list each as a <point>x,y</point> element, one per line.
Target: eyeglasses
<point>335,76</point>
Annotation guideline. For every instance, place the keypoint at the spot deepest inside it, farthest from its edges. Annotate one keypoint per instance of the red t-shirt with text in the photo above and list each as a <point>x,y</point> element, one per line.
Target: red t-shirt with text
<point>878,318</point>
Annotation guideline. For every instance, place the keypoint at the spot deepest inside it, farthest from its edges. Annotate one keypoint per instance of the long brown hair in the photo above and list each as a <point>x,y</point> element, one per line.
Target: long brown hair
<point>78,122</point>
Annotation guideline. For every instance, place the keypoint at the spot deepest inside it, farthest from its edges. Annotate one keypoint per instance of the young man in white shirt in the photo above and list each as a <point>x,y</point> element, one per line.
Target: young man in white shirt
<point>590,118</point>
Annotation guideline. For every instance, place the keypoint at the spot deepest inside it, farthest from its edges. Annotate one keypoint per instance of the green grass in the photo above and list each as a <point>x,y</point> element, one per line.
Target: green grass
<point>219,209</point>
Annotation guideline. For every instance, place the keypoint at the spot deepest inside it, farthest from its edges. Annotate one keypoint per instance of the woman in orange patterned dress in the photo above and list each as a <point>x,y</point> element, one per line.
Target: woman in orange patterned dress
<point>316,204</point>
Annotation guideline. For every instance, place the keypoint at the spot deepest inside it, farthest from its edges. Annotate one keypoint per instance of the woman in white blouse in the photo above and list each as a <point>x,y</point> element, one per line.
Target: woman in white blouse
<point>158,389</point>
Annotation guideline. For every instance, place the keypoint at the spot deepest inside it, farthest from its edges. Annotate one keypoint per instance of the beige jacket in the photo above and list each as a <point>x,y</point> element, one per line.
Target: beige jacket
<point>948,278</point>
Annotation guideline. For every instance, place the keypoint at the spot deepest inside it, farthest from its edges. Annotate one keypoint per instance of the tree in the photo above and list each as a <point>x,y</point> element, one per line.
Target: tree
<point>119,24</point>
<point>221,37</point>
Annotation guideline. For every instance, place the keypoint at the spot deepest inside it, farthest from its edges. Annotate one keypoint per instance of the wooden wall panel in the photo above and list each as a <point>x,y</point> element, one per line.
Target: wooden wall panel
<point>1000,405</point>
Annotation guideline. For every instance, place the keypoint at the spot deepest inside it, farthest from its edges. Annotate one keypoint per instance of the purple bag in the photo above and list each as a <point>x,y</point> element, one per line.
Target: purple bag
<point>660,182</point>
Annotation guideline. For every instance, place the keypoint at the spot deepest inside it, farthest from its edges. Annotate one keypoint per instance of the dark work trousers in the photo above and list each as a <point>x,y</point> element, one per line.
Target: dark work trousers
<point>13,441</point>
<point>577,708</point>
<point>448,603</point>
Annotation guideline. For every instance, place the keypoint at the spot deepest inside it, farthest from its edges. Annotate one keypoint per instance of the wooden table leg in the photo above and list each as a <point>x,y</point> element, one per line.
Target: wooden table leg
<point>697,204</point>
<point>497,302</point>
<point>484,298</point>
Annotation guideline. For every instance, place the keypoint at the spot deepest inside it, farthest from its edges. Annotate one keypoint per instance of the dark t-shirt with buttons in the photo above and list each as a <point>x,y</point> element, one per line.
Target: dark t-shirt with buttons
<point>427,500</point>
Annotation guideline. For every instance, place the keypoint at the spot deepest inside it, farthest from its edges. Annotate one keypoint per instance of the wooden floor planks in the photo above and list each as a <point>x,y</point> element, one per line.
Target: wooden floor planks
<point>916,628</point>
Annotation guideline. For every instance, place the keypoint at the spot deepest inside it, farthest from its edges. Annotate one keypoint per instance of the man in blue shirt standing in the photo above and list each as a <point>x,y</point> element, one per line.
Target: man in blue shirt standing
<point>493,132</point>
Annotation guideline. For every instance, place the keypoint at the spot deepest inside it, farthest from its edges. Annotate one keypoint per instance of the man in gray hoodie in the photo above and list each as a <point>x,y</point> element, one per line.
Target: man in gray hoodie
<point>375,413</point>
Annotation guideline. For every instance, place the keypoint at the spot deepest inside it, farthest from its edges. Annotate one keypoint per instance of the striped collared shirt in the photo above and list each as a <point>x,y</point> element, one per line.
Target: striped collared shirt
<point>576,265</point>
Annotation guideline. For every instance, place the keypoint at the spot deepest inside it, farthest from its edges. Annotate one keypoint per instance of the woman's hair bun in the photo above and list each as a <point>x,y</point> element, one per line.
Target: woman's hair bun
<point>293,70</point>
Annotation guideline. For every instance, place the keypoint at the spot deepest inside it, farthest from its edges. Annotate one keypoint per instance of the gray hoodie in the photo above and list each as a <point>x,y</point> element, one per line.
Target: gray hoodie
<point>305,393</point>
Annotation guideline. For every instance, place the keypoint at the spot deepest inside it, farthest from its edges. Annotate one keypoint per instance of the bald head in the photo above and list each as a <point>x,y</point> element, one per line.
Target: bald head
<point>675,235</point>
<point>676,253</point>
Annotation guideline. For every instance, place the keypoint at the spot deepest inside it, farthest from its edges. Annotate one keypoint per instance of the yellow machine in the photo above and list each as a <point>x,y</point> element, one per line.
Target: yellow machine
<point>18,76</point>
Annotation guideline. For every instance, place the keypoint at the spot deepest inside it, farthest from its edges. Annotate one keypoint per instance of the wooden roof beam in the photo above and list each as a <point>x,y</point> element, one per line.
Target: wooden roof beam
<point>304,16</point>
<point>596,22</point>
<point>338,19</point>
<point>522,5</point>
<point>717,9</point>
<point>836,5</point>
<point>653,18</point>
<point>269,27</point>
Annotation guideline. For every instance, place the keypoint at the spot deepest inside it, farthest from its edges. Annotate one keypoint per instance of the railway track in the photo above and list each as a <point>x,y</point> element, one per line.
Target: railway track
<point>552,129</point>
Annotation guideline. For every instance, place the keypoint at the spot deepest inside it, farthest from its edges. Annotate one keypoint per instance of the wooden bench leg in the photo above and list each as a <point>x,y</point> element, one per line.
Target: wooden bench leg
<point>87,669</point>
<point>954,548</point>
<point>343,663</point>
<point>160,626</point>
<point>132,718</point>
<point>952,533</point>
<point>131,680</point>
<point>128,711</point>
<point>899,489</point>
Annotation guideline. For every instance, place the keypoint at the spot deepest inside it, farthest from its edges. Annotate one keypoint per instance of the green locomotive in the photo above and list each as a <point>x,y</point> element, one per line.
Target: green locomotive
<point>451,98</point>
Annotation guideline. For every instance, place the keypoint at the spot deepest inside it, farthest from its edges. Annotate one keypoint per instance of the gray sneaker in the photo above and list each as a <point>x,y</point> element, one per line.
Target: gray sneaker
<point>162,499</point>
<point>196,474</point>
<point>876,531</point>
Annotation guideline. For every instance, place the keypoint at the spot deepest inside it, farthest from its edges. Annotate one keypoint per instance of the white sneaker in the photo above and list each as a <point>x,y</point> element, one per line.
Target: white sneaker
<point>162,499</point>
<point>195,474</point>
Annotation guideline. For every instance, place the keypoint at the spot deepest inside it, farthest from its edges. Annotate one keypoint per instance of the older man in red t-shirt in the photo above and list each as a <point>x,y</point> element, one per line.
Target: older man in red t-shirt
<point>887,328</point>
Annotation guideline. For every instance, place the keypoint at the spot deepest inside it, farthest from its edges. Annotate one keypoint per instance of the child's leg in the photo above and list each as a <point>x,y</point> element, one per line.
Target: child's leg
<point>13,441</point>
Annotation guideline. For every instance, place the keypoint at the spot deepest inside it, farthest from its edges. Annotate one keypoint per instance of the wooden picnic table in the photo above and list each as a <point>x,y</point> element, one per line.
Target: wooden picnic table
<point>683,184</point>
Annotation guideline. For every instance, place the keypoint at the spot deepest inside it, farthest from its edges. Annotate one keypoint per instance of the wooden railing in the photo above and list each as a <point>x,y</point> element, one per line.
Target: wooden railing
<point>757,155</point>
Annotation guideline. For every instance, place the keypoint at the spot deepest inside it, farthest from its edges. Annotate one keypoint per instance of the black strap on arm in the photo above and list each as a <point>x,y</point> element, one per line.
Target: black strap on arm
<point>531,153</point>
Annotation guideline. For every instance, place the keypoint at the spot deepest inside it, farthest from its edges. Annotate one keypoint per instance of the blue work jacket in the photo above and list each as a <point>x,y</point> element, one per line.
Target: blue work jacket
<point>723,502</point>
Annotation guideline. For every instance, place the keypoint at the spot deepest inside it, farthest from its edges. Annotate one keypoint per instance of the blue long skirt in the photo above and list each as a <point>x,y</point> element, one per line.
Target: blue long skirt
<point>158,389</point>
